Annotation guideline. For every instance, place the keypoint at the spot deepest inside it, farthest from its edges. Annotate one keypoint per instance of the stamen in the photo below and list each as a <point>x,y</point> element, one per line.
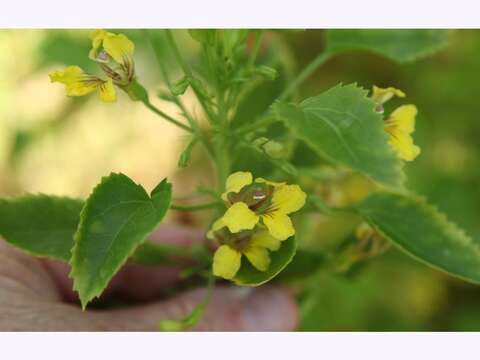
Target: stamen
<point>103,56</point>
<point>111,73</point>
<point>259,196</point>
<point>90,80</point>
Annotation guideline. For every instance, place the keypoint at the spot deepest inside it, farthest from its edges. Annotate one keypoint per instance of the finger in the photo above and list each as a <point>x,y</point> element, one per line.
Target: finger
<point>134,281</point>
<point>29,301</point>
<point>231,309</point>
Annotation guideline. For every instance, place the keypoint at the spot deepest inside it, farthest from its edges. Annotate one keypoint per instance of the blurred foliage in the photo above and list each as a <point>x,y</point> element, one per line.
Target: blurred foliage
<point>392,292</point>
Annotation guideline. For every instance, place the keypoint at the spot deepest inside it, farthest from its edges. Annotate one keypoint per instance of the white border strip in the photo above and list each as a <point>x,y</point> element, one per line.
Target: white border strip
<point>240,13</point>
<point>241,346</point>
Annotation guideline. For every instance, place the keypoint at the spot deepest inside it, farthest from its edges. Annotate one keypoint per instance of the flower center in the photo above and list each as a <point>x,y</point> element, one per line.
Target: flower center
<point>256,196</point>
<point>239,241</point>
<point>103,56</point>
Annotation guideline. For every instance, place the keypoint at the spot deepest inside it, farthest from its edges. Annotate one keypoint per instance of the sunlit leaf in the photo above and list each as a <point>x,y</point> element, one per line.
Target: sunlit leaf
<point>41,225</point>
<point>399,45</point>
<point>342,126</point>
<point>116,219</point>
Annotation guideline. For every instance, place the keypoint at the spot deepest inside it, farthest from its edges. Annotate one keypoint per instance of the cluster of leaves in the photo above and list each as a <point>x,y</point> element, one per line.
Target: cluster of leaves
<point>96,237</point>
<point>339,127</point>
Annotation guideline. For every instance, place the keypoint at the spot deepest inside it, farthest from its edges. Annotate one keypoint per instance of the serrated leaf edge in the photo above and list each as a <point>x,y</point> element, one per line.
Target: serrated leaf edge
<point>420,55</point>
<point>26,196</point>
<point>399,165</point>
<point>440,219</point>
<point>95,294</point>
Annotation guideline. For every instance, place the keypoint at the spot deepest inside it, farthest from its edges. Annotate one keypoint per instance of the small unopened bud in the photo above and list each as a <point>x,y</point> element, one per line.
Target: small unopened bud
<point>180,86</point>
<point>184,158</point>
<point>267,72</point>
<point>275,149</point>
<point>272,148</point>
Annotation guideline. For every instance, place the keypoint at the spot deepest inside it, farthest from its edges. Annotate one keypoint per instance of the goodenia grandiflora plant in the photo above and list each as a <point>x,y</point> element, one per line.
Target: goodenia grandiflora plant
<point>262,193</point>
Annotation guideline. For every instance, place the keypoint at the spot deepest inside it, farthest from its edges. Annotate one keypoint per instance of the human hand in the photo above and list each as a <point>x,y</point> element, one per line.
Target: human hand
<point>36,295</point>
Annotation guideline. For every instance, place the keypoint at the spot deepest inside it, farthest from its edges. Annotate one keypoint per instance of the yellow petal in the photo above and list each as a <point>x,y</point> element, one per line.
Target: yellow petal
<point>239,217</point>
<point>265,240</point>
<point>97,37</point>
<point>273,183</point>
<point>404,118</point>
<point>118,46</point>
<point>288,198</point>
<point>236,182</point>
<point>76,82</point>
<point>258,256</point>
<point>106,91</point>
<point>279,225</point>
<point>217,225</point>
<point>403,144</point>
<point>382,95</point>
<point>226,262</point>
<point>69,75</point>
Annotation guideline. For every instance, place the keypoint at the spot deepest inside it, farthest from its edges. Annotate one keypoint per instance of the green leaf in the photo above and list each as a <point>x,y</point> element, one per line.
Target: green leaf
<point>249,276</point>
<point>397,45</point>
<point>179,87</point>
<point>116,219</point>
<point>423,232</point>
<point>342,126</point>
<point>40,225</point>
<point>304,264</point>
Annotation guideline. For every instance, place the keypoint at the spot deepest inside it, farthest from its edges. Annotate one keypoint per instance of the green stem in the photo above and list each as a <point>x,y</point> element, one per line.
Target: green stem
<point>166,78</point>
<point>188,72</point>
<point>222,151</point>
<point>305,74</point>
<point>267,120</point>
<point>159,112</point>
<point>194,207</point>
<point>256,48</point>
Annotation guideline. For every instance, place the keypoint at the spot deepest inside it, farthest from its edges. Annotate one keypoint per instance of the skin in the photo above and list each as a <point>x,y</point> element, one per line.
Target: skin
<point>35,295</point>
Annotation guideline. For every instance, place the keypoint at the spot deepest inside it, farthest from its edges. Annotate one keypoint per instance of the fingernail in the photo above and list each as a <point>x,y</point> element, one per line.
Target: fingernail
<point>270,309</point>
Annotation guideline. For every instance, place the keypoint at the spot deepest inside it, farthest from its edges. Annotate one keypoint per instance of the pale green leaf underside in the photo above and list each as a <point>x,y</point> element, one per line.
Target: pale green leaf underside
<point>116,219</point>
<point>422,231</point>
<point>342,126</point>
<point>41,225</point>
<point>398,45</point>
<point>249,276</point>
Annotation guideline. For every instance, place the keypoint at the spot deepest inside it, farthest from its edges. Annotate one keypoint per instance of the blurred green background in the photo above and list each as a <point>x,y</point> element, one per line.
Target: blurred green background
<point>52,144</point>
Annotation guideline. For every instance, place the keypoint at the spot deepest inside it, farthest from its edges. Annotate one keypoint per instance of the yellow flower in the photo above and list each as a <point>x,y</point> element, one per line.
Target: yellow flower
<point>262,200</point>
<point>120,71</point>
<point>400,125</point>
<point>236,182</point>
<point>227,258</point>
<point>382,95</point>
<point>78,83</point>
<point>119,47</point>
